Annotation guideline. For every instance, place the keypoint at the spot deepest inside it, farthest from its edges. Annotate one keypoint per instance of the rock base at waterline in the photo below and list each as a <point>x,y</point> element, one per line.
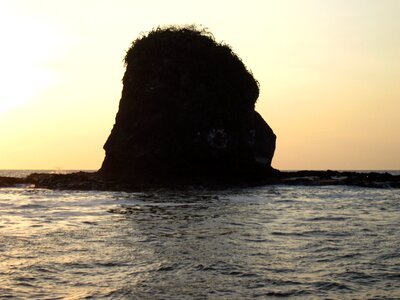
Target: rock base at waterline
<point>92,181</point>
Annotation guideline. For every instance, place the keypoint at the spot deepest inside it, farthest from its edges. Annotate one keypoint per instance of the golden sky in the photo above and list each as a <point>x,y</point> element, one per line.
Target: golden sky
<point>329,72</point>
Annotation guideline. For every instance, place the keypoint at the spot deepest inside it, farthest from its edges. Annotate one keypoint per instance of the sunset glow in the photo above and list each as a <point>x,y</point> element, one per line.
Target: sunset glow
<point>26,46</point>
<point>328,70</point>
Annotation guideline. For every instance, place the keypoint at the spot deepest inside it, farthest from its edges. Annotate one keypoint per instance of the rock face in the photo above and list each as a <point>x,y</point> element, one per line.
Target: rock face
<point>186,112</point>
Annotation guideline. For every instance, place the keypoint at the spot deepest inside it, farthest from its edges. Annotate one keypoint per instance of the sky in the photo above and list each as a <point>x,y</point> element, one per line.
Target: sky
<point>329,74</point>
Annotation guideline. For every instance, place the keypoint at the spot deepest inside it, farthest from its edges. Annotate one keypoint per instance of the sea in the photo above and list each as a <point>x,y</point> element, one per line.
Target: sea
<point>268,242</point>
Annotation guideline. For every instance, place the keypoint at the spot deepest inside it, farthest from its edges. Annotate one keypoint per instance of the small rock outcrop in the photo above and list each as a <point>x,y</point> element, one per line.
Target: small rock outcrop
<point>10,181</point>
<point>186,113</point>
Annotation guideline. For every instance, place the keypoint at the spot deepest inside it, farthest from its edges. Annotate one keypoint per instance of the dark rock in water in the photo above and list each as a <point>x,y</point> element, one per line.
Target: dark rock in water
<point>319,178</point>
<point>186,117</point>
<point>264,142</point>
<point>94,181</point>
<point>10,181</point>
<point>73,181</point>
<point>186,113</point>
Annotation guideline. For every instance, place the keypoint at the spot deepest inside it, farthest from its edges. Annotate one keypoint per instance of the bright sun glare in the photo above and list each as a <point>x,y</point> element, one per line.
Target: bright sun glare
<point>20,84</point>
<point>26,47</point>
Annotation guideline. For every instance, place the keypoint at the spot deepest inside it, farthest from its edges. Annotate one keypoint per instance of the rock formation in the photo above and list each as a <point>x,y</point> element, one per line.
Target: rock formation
<point>186,113</point>
<point>187,116</point>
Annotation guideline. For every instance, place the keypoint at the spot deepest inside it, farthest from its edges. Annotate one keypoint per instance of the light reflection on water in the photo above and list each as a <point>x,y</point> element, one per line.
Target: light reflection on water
<point>302,242</point>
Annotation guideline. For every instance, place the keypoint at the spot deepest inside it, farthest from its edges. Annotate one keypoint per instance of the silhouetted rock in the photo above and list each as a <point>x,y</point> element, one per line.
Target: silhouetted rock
<point>186,113</point>
<point>93,181</point>
<point>72,181</point>
<point>187,116</point>
<point>10,181</point>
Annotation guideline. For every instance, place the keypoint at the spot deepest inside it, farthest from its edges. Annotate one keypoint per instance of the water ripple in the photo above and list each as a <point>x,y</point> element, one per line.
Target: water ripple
<point>265,242</point>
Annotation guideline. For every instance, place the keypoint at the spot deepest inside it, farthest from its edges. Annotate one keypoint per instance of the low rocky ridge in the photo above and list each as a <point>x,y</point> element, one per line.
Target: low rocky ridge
<point>11,181</point>
<point>93,181</point>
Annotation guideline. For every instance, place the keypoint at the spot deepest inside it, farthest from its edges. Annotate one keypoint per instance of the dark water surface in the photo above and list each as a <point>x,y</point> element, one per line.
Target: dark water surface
<point>265,242</point>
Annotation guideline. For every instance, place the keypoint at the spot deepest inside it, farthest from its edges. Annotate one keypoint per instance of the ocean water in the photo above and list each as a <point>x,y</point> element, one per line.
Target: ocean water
<point>328,242</point>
